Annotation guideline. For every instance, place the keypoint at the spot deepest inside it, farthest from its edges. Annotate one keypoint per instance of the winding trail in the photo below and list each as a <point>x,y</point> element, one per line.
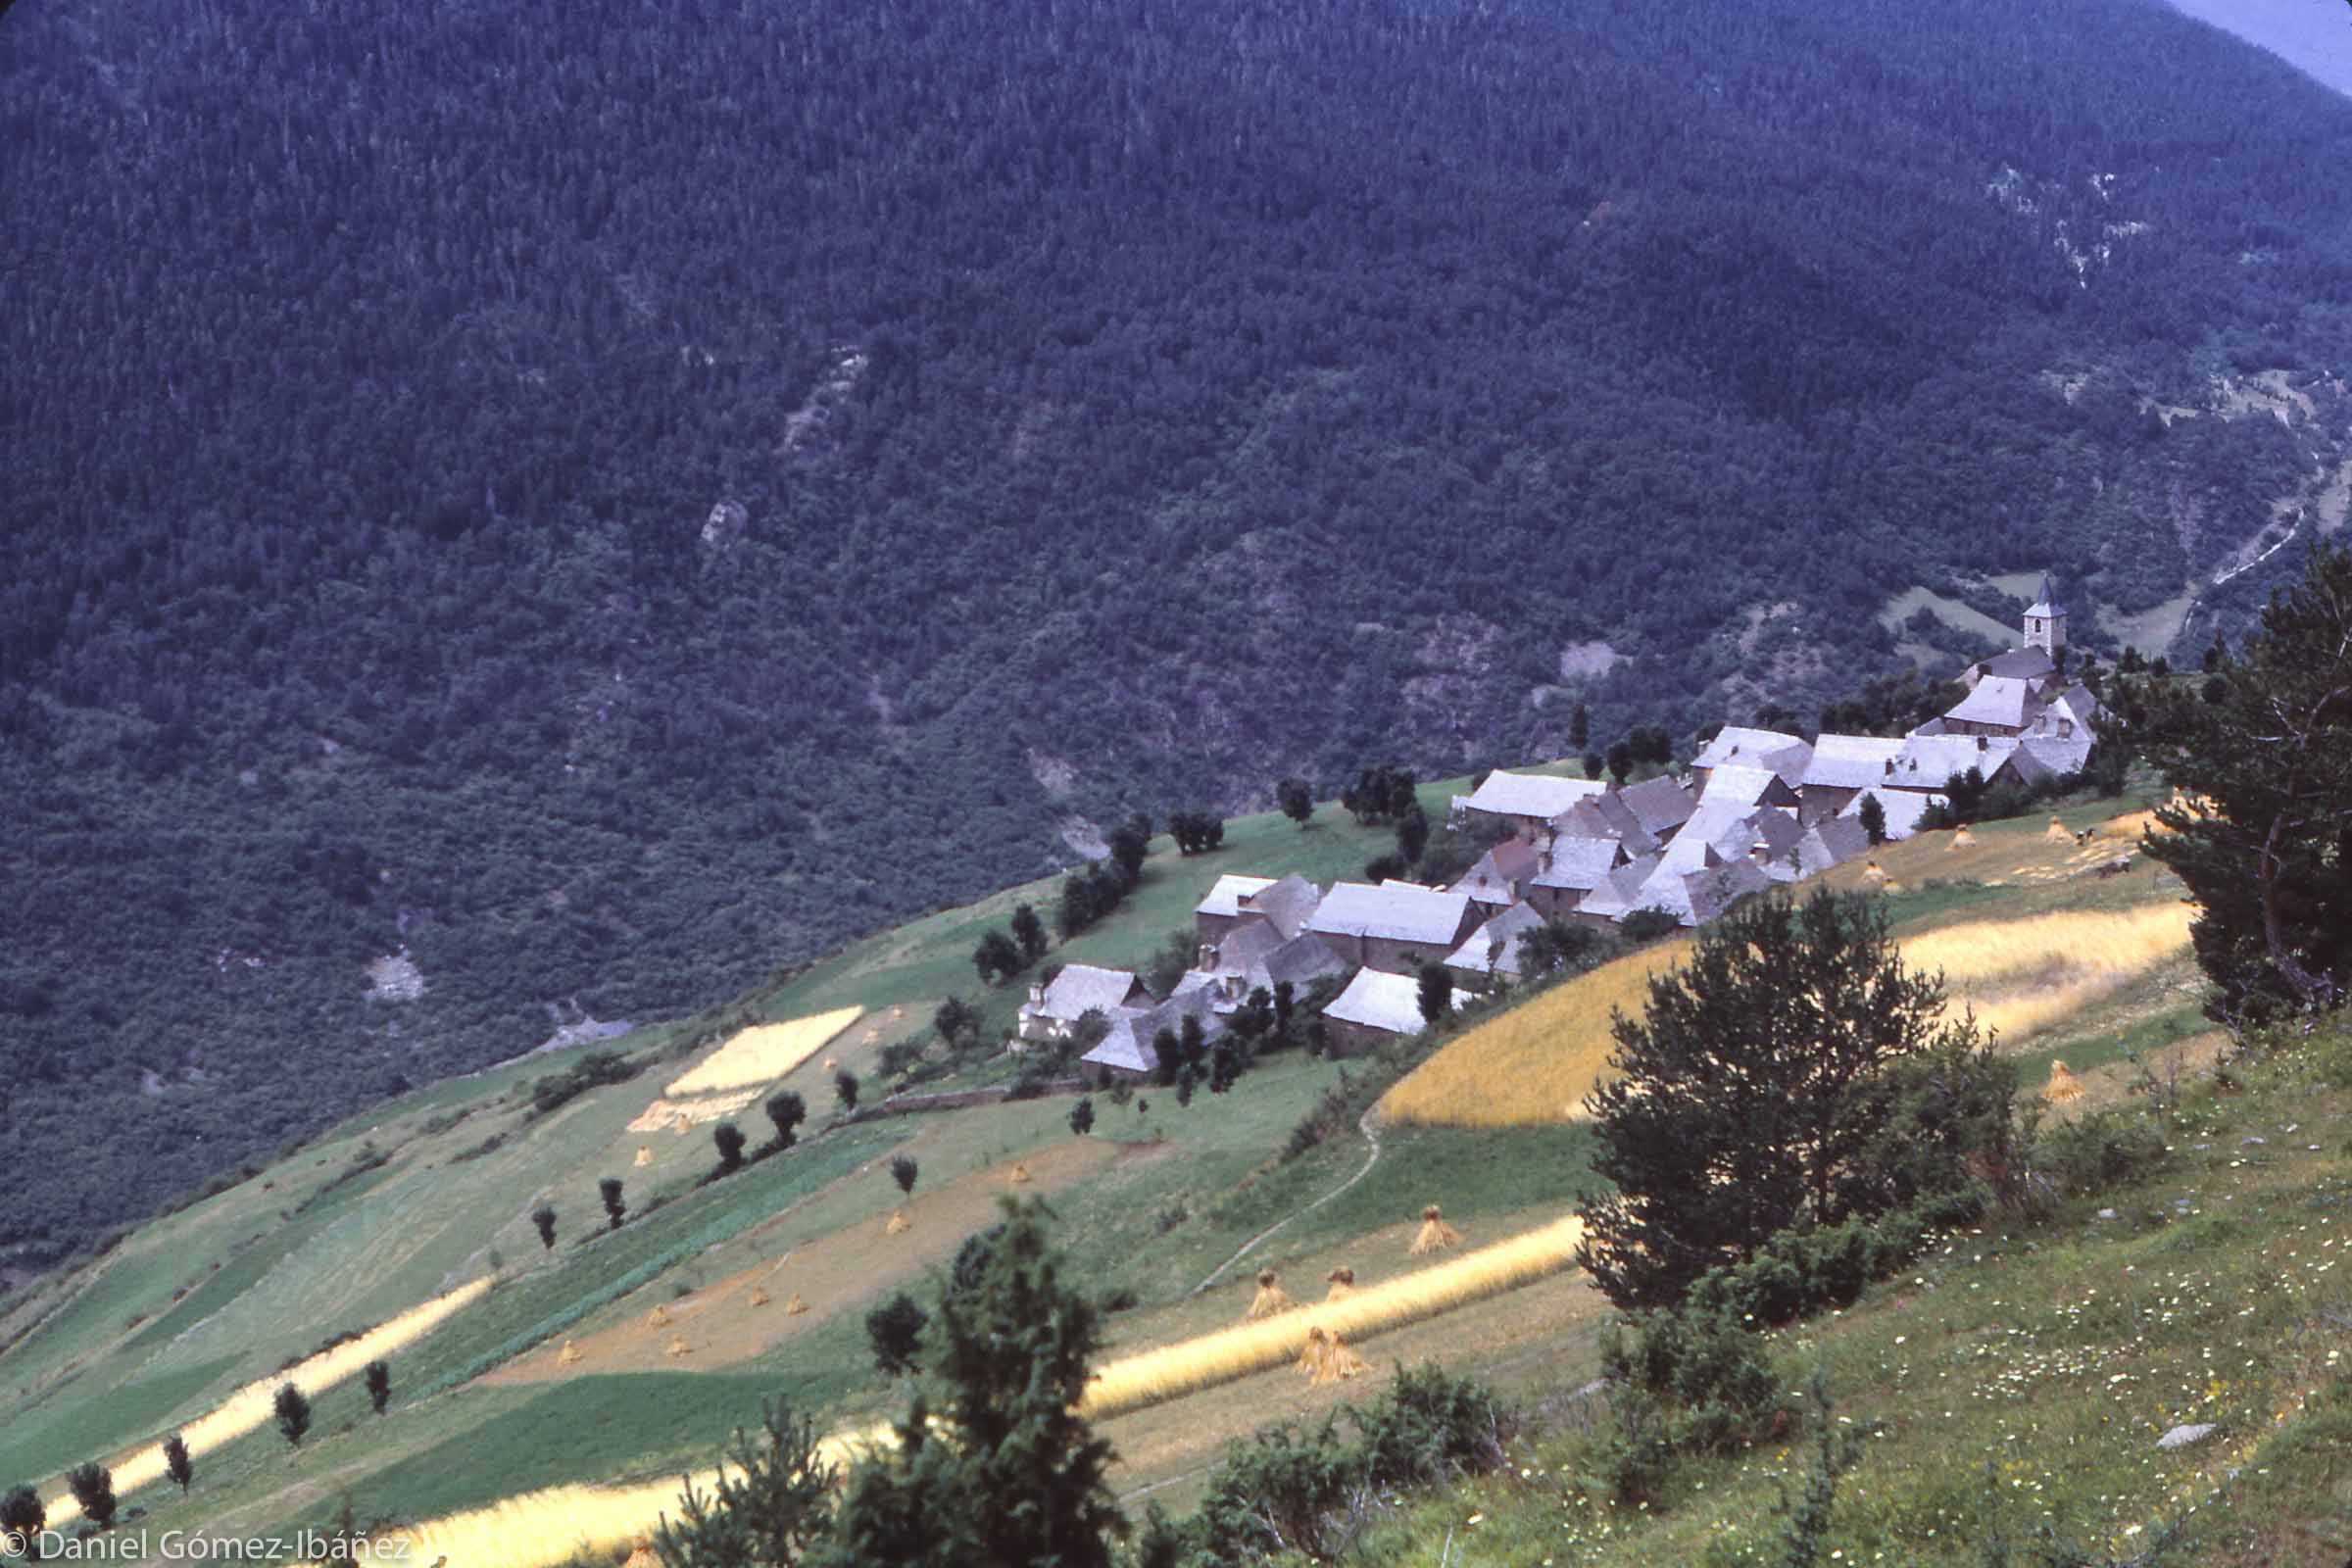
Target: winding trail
<point>1371,1131</point>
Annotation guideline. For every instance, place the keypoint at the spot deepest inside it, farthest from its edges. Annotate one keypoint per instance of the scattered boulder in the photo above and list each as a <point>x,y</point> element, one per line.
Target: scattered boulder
<point>2187,1435</point>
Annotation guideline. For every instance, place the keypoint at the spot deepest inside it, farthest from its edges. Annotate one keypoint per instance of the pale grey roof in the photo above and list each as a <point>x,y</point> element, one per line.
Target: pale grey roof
<point>1997,700</point>
<point>1128,1045</point>
<point>1500,874</point>
<point>2046,603</point>
<point>1287,901</point>
<point>1494,948</point>
<point>1536,794</point>
<point>1397,911</point>
<point>1660,805</point>
<point>1904,809</point>
<point>1608,816</point>
<point>1831,843</point>
<point>2020,663</point>
<point>1849,762</point>
<point>1081,988</point>
<point>1708,894</point>
<point>1301,962</point>
<point>2059,755</point>
<point>1929,762</point>
<point>1717,830</point>
<point>1245,945</point>
<point>1378,1000</point>
<point>1619,893</point>
<point>1225,897</point>
<point>1578,863</point>
<point>1736,746</point>
<point>1776,834</point>
<point>2027,768</point>
<point>1737,784</point>
<point>2080,705</point>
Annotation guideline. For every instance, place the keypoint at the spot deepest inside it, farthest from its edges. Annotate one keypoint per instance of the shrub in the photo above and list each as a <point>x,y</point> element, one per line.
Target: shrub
<point>2098,1150</point>
<point>592,1071</point>
<point>293,1410</point>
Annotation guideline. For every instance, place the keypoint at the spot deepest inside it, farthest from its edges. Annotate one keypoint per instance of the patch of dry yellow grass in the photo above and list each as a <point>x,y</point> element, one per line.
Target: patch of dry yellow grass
<point>2023,975</point>
<point>760,1055</point>
<point>253,1406</point>
<point>1535,1062</point>
<point>1190,1365</point>
<point>564,1524</point>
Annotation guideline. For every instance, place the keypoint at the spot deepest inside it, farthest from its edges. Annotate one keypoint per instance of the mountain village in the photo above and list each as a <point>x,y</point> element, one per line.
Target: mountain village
<point>1757,809</point>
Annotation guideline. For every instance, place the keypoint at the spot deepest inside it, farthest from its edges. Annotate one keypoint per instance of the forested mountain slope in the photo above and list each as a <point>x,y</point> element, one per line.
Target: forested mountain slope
<point>606,497</point>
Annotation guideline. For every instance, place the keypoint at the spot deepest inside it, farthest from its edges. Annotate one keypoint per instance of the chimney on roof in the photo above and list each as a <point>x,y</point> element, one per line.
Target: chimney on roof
<point>1981,746</point>
<point>1037,995</point>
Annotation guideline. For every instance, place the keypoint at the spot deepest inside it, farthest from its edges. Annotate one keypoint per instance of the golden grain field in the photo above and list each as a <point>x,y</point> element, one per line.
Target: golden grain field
<point>760,1055</point>
<point>1537,1062</point>
<point>250,1406</point>
<point>564,1524</point>
<point>2022,975</point>
<point>1190,1365</point>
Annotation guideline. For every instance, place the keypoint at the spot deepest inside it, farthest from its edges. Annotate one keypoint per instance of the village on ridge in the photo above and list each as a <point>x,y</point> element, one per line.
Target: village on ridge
<point>1757,809</point>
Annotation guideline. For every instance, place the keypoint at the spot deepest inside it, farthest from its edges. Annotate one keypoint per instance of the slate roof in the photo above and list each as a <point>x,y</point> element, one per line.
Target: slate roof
<point>1929,762</point>
<point>1578,863</point>
<point>1831,843</point>
<point>1301,960</point>
<point>2059,755</point>
<point>1245,945</point>
<point>1128,1045</point>
<point>1997,700</point>
<point>1606,816</point>
<point>1849,762</point>
<point>1225,897</point>
<point>1660,805</point>
<point>1536,794</point>
<point>1378,1000</point>
<point>1494,948</point>
<point>1720,830</point>
<point>1736,746</point>
<point>1776,834</point>
<point>1397,911</point>
<point>2019,663</point>
<point>1741,785</point>
<point>2027,768</point>
<point>1708,894</point>
<point>1082,988</point>
<point>1287,901</point>
<point>1619,893</point>
<point>1501,872</point>
<point>1904,809</point>
<point>2046,603</point>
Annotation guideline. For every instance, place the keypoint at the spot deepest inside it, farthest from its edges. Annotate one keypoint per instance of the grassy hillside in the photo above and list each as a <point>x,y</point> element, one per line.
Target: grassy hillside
<point>570,1370</point>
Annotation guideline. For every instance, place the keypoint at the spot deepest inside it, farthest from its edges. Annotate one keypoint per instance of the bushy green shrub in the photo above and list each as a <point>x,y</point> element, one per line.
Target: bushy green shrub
<point>2098,1150</point>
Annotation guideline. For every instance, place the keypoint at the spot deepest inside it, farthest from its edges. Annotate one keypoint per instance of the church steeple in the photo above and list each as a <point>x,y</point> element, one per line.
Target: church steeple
<point>2045,621</point>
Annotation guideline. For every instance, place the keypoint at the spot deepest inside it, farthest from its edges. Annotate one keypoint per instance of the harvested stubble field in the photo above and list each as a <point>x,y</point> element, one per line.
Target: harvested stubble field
<point>734,1075</point>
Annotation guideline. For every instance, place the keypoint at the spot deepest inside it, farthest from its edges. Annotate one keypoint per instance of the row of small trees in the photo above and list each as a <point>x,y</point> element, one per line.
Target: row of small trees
<point>92,1484</point>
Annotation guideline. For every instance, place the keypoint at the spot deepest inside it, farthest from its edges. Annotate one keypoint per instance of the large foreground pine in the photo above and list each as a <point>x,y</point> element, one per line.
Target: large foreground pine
<point>1750,1098</point>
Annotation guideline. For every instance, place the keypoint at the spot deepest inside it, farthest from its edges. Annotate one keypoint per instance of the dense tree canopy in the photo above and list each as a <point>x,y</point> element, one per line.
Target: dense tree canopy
<point>591,511</point>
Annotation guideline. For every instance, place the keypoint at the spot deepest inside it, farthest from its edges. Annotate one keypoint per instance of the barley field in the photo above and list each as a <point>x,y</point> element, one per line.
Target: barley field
<point>1187,1366</point>
<point>2022,975</point>
<point>1535,1062</point>
<point>565,1524</point>
<point>760,1055</point>
<point>251,1406</point>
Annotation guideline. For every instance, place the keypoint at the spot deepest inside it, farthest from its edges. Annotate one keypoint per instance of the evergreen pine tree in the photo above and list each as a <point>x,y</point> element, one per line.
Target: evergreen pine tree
<point>93,1486</point>
<point>2267,756</point>
<point>1873,817</point>
<point>1436,993</point>
<point>1741,1101</point>
<point>772,1500</point>
<point>994,1467</point>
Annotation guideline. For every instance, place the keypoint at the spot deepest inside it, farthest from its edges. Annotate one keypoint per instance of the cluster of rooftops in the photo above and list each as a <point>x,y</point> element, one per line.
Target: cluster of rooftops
<point>1757,809</point>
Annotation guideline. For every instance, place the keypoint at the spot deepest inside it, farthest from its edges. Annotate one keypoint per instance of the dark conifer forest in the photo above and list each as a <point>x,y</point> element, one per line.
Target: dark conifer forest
<point>605,498</point>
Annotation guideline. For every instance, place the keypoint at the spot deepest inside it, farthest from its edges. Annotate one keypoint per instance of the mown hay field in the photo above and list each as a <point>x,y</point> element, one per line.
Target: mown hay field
<point>1535,1063</point>
<point>761,1055</point>
<point>251,1406</point>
